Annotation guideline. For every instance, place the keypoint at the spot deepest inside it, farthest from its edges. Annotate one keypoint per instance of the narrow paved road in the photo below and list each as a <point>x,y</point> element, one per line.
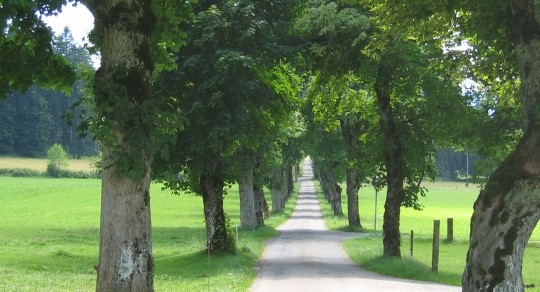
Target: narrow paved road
<point>306,256</point>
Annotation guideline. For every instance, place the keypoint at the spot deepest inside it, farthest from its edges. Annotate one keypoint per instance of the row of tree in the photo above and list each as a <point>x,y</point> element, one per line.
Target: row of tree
<point>203,94</point>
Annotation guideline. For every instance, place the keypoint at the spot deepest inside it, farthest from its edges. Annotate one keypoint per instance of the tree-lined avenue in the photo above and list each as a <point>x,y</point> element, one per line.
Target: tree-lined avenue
<point>306,256</point>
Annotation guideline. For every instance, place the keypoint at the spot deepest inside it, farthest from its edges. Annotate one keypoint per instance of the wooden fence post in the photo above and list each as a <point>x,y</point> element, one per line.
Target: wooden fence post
<point>412,243</point>
<point>450,229</point>
<point>435,253</point>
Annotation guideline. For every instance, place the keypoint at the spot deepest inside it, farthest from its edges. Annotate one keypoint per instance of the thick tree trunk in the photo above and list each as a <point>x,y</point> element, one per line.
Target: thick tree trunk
<point>125,246</point>
<point>395,168</point>
<point>261,207</point>
<point>276,188</point>
<point>353,184</point>
<point>121,85</point>
<point>247,200</point>
<point>336,202</point>
<point>211,185</point>
<point>508,208</point>
<point>331,189</point>
<point>351,132</point>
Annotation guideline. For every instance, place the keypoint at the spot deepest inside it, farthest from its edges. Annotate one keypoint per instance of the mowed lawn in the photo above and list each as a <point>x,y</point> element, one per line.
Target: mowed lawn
<point>444,200</point>
<point>49,238</point>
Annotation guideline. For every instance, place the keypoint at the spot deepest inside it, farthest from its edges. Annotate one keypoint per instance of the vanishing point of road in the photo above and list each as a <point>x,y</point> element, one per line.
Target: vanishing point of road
<point>306,256</point>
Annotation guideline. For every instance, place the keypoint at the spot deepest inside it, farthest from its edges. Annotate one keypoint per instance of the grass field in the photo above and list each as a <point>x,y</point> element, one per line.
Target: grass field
<point>49,235</point>
<point>40,164</point>
<point>444,200</point>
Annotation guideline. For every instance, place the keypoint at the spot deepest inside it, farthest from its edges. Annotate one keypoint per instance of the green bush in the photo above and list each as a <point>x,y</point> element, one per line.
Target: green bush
<point>54,171</point>
<point>20,172</point>
<point>58,159</point>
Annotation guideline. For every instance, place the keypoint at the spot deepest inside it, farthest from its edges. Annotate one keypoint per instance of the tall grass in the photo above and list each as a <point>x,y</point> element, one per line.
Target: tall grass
<point>49,236</point>
<point>40,164</point>
<point>444,200</point>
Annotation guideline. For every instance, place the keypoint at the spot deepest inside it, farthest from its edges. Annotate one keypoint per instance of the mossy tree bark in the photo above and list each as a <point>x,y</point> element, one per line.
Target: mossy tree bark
<point>276,184</point>
<point>394,162</point>
<point>351,132</point>
<point>211,186</point>
<point>261,206</point>
<point>124,30</point>
<point>508,208</point>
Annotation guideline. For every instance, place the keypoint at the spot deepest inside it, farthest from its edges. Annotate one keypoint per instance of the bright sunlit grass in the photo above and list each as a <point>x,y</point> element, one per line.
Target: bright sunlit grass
<point>444,200</point>
<point>49,236</point>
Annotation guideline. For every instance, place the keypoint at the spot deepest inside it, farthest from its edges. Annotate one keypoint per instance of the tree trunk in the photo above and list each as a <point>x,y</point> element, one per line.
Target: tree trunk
<point>121,86</point>
<point>125,246</point>
<point>508,208</point>
<point>395,168</point>
<point>351,132</point>
<point>247,199</point>
<point>290,180</point>
<point>276,188</point>
<point>211,185</point>
<point>336,203</point>
<point>261,207</point>
<point>353,184</point>
<point>331,189</point>
<point>284,187</point>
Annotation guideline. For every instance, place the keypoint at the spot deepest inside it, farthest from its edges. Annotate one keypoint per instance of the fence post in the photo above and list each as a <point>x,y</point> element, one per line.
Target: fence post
<point>435,253</point>
<point>450,229</point>
<point>412,243</point>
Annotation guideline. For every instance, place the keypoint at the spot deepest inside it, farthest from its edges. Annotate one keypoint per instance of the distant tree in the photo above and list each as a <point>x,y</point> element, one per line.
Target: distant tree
<point>33,123</point>
<point>58,160</point>
<point>7,126</point>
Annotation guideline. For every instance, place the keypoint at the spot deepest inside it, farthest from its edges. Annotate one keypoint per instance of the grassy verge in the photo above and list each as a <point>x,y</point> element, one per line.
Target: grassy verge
<point>444,200</point>
<point>49,235</point>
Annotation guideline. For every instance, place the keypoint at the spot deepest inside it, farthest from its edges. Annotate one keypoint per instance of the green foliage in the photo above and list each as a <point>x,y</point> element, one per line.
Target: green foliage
<point>58,157</point>
<point>20,172</point>
<point>230,87</point>
<point>335,33</point>
<point>37,118</point>
<point>26,54</point>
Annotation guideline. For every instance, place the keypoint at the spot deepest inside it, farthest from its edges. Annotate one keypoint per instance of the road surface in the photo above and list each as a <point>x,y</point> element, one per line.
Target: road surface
<point>306,256</point>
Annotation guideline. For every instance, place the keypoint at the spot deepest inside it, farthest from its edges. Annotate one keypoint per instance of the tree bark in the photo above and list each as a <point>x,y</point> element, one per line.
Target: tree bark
<point>211,185</point>
<point>247,199</point>
<point>289,180</point>
<point>508,208</point>
<point>276,188</point>
<point>285,186</point>
<point>125,246</point>
<point>351,134</point>
<point>331,189</point>
<point>261,207</point>
<point>395,168</point>
<point>353,185</point>
<point>122,84</point>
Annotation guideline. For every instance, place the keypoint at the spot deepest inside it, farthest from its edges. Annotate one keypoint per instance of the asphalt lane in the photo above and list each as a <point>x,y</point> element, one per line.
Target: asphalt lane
<point>306,256</point>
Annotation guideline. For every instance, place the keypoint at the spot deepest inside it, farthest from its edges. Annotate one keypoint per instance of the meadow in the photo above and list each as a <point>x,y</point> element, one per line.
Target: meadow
<point>40,164</point>
<point>444,200</point>
<point>49,238</point>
